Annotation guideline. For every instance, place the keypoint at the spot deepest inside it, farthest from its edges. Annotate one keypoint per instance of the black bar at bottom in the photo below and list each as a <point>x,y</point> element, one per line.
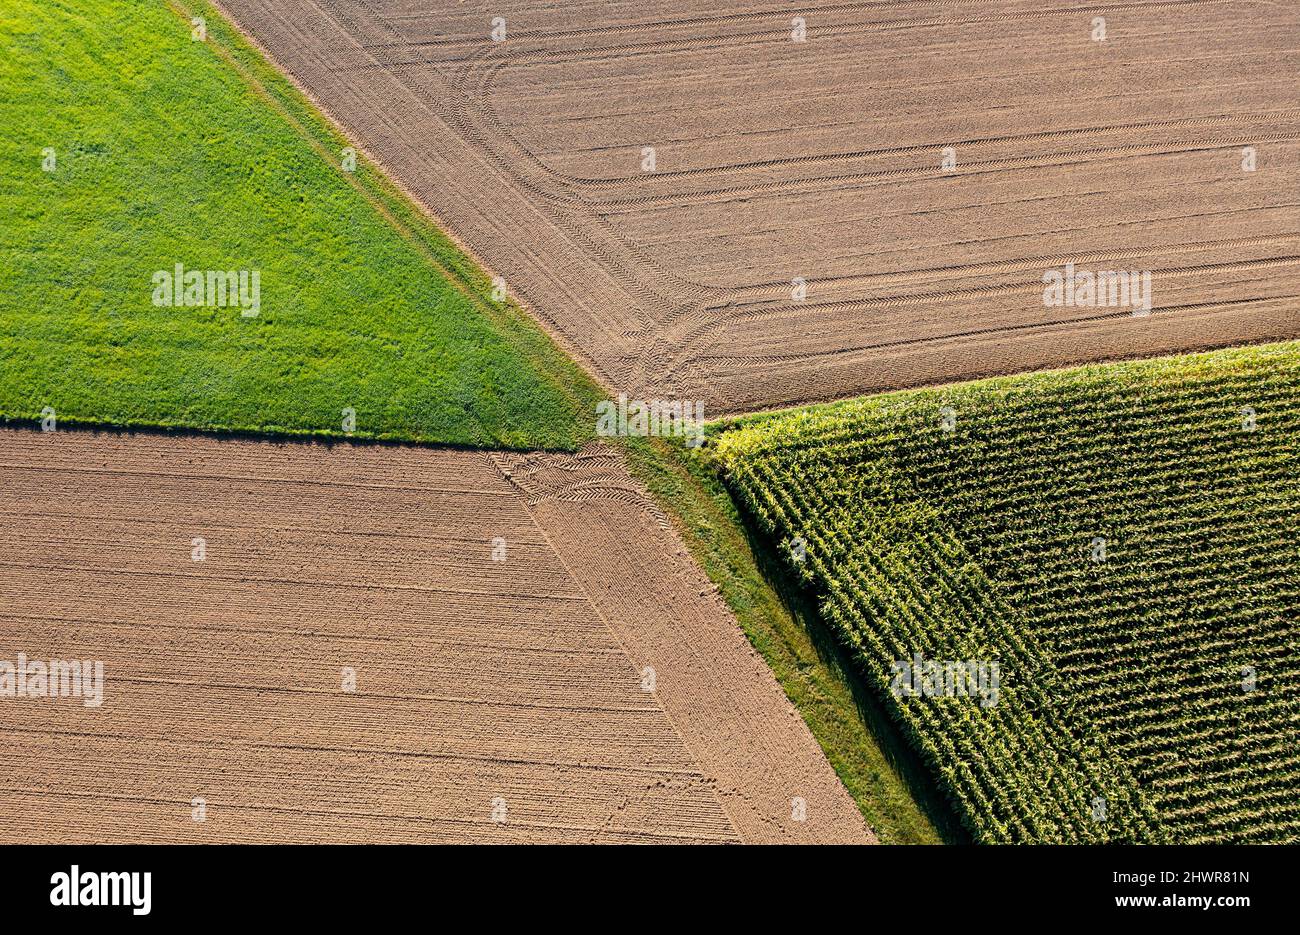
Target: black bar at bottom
<point>944,885</point>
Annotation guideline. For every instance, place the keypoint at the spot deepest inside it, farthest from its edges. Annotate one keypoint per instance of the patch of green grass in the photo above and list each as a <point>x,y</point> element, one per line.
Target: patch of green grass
<point>168,150</point>
<point>1119,539</point>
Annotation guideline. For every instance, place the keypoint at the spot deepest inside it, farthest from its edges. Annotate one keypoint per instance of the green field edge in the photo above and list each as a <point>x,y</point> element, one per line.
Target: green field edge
<point>23,421</point>
<point>1116,368</point>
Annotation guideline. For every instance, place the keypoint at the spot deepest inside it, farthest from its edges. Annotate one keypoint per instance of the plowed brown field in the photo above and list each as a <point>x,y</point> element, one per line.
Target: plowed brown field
<point>821,160</point>
<point>494,700</point>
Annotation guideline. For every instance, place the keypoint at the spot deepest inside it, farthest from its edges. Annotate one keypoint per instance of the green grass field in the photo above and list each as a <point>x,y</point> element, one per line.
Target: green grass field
<point>1120,539</point>
<point>168,150</point>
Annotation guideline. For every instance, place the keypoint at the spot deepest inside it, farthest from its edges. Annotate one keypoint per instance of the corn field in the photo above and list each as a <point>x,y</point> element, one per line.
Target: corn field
<point>1121,540</point>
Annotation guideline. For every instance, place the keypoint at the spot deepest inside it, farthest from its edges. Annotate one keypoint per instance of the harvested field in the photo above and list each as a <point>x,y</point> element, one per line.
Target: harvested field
<point>822,160</point>
<point>516,684</point>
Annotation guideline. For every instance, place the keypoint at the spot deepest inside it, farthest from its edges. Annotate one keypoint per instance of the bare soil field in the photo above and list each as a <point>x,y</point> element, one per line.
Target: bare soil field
<point>494,700</point>
<point>823,160</point>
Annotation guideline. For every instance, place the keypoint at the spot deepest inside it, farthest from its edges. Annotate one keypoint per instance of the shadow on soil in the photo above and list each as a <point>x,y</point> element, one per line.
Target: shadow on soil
<point>834,654</point>
<point>271,436</point>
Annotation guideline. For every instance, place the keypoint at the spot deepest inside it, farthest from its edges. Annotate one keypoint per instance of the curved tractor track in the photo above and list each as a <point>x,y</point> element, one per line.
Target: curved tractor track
<point>821,162</point>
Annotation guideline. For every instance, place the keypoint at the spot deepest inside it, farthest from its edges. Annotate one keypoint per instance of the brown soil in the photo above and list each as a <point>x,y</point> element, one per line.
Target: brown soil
<point>476,679</point>
<point>821,159</point>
